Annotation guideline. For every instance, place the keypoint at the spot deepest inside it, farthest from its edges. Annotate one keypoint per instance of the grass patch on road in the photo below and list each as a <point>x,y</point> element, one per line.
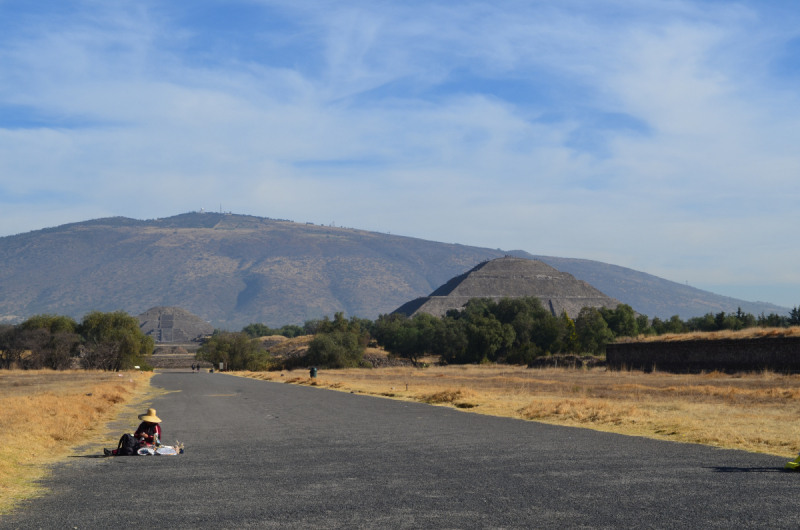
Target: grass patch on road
<point>755,411</point>
<point>45,414</point>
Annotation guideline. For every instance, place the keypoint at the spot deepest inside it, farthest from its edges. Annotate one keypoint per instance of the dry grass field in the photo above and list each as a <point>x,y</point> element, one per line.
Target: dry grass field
<point>755,412</point>
<point>45,414</point>
<point>749,333</point>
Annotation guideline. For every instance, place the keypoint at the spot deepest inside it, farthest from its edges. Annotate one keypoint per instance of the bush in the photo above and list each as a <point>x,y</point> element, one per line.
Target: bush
<point>289,331</point>
<point>409,338</point>
<point>338,349</point>
<point>237,350</point>
<point>50,339</point>
<point>621,321</point>
<point>113,341</point>
<point>524,354</point>
<point>794,316</point>
<point>673,325</point>
<point>592,330</point>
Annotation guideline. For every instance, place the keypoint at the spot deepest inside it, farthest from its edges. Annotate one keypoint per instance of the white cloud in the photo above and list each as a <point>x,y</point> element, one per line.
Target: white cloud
<point>396,130</point>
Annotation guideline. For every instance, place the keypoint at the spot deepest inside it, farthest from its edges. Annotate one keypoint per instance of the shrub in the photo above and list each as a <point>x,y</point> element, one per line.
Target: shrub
<point>237,350</point>
<point>593,332</point>
<point>289,331</point>
<point>113,341</point>
<point>338,349</point>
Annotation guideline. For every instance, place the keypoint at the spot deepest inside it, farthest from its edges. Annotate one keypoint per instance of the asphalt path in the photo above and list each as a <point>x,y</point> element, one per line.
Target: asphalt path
<point>271,455</point>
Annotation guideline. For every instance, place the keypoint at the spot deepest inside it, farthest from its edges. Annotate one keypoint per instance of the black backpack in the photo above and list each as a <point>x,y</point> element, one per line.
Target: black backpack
<point>128,446</point>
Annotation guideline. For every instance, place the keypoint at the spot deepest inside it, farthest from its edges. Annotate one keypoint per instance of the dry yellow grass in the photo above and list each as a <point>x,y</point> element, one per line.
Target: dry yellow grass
<point>749,333</point>
<point>755,412</point>
<point>45,414</point>
<point>295,346</point>
<point>272,340</point>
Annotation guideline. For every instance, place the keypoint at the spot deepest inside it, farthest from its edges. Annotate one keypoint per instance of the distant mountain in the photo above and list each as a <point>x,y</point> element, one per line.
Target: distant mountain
<point>235,269</point>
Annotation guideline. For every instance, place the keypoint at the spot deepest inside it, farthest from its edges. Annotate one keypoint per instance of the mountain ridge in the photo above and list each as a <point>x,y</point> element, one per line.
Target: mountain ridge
<point>235,269</point>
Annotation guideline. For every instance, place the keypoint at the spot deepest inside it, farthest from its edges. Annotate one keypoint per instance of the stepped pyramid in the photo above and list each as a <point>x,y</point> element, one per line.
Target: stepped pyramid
<point>173,324</point>
<point>512,277</point>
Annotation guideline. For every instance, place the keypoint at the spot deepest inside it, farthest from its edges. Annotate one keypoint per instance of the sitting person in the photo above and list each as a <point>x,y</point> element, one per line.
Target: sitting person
<point>149,427</point>
<point>148,432</point>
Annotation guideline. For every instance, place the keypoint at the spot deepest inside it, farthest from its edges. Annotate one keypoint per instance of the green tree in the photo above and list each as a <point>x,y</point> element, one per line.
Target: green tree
<point>52,323</point>
<point>451,340</point>
<point>773,320</point>
<point>794,316</point>
<point>593,332</point>
<point>114,341</point>
<point>643,325</point>
<point>337,349</point>
<point>621,320</point>
<point>411,338</point>
<point>237,350</point>
<point>291,331</point>
<point>359,326</point>
<point>532,323</point>
<point>536,330</point>
<point>720,321</point>
<point>258,330</point>
<point>485,336</point>
<point>569,341</point>
<point>673,325</point>
<point>11,349</point>
<point>51,341</point>
<point>386,327</point>
<point>706,322</point>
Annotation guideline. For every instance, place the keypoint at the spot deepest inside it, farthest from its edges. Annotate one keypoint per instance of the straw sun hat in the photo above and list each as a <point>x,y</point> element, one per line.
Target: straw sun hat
<point>150,416</point>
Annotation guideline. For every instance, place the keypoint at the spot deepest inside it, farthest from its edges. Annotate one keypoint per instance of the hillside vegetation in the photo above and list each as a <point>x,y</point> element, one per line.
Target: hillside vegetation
<point>235,269</point>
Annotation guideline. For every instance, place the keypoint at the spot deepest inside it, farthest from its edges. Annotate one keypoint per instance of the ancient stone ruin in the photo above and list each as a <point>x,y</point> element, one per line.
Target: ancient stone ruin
<point>781,354</point>
<point>173,324</point>
<point>513,278</point>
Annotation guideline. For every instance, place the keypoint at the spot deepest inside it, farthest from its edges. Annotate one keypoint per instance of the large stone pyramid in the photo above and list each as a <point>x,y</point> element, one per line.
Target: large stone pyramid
<point>512,277</point>
<point>173,324</point>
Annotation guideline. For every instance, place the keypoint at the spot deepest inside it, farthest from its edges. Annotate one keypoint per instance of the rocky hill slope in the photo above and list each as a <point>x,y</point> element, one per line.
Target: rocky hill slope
<point>236,269</point>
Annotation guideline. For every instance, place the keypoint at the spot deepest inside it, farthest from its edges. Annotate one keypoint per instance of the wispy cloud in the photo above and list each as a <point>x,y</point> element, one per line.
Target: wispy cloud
<point>654,134</point>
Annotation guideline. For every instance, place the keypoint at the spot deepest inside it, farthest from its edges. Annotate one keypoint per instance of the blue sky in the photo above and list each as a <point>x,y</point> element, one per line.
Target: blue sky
<point>658,135</point>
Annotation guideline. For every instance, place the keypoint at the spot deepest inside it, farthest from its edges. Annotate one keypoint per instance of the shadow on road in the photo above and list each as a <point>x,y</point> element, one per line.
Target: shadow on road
<point>747,469</point>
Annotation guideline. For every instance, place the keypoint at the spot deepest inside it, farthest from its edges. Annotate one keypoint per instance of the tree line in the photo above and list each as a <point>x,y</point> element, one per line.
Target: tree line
<point>337,343</point>
<point>723,321</point>
<point>104,341</point>
<point>511,330</point>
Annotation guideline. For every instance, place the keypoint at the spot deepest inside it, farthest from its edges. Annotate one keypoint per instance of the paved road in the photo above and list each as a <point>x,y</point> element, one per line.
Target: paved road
<point>268,455</point>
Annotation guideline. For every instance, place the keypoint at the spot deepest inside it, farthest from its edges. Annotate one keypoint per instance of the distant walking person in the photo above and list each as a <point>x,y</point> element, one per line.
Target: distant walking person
<point>192,367</point>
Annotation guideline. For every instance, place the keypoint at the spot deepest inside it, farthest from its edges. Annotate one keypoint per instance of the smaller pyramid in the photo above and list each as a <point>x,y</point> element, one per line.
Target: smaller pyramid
<point>173,324</point>
<point>512,277</point>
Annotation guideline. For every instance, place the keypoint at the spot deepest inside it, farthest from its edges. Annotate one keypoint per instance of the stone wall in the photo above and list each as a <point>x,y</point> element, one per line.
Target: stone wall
<point>779,354</point>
